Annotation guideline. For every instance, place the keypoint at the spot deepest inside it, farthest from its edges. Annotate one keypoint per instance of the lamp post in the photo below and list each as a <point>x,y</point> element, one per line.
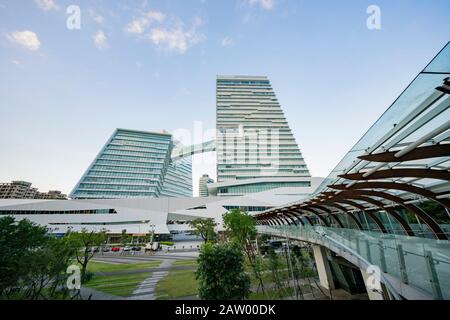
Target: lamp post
<point>153,233</point>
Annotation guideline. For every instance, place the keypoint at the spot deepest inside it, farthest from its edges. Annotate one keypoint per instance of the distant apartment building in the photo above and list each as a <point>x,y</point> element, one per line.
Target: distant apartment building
<point>51,195</point>
<point>17,190</point>
<point>203,185</point>
<point>136,164</point>
<point>24,190</point>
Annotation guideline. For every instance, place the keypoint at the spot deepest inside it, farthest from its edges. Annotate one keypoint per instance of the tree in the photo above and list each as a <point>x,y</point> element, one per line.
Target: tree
<point>241,228</point>
<point>84,244</point>
<point>32,261</point>
<point>47,276</point>
<point>126,238</point>
<point>221,273</point>
<point>276,265</point>
<point>437,211</point>
<point>17,242</point>
<point>204,228</point>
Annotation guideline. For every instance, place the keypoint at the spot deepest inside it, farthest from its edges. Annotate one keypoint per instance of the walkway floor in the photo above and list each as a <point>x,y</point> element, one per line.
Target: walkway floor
<point>92,294</point>
<point>146,290</point>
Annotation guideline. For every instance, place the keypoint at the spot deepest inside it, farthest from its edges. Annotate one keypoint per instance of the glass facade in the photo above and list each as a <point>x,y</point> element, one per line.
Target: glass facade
<point>253,136</point>
<point>135,164</point>
<point>247,208</point>
<point>178,179</point>
<point>259,187</point>
<point>203,185</point>
<point>39,212</point>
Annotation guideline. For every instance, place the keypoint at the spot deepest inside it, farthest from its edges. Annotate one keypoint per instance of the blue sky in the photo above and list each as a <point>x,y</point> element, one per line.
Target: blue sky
<point>151,65</point>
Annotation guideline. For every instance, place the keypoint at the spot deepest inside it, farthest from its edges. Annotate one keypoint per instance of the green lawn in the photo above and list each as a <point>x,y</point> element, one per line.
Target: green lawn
<point>177,284</point>
<point>266,263</point>
<point>96,266</point>
<point>185,263</point>
<point>267,277</point>
<point>122,285</point>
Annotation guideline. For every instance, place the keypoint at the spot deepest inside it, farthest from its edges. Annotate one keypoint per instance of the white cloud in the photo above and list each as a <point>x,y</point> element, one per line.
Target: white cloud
<point>176,38</point>
<point>139,25</point>
<point>265,4</point>
<point>99,19</point>
<point>100,40</point>
<point>16,62</point>
<point>27,39</point>
<point>96,17</point>
<point>156,16</point>
<point>47,5</point>
<point>226,42</point>
<point>169,35</point>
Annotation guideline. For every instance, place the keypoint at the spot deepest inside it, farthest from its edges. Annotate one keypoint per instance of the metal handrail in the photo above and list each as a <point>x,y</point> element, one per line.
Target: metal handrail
<point>339,245</point>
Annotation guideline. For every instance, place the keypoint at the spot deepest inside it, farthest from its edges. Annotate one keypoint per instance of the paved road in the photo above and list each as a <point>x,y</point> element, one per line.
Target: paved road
<point>139,258</point>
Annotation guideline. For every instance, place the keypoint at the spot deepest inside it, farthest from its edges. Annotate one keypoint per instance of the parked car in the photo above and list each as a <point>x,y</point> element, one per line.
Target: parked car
<point>115,249</point>
<point>106,249</point>
<point>127,249</point>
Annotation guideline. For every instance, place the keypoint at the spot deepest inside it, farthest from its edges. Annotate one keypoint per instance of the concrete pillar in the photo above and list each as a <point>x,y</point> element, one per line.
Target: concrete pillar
<point>323,267</point>
<point>373,286</point>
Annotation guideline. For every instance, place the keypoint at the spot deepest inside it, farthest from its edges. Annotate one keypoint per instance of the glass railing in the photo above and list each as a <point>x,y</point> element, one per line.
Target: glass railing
<point>418,262</point>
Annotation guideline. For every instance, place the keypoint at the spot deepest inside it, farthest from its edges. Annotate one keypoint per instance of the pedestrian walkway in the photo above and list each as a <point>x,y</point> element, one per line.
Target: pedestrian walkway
<point>146,290</point>
<point>92,294</point>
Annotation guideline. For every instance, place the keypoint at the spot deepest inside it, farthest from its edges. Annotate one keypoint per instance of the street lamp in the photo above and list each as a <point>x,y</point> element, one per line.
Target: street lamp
<point>153,233</point>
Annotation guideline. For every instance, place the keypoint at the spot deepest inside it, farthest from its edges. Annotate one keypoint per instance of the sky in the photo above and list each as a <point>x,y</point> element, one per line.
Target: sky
<point>151,65</point>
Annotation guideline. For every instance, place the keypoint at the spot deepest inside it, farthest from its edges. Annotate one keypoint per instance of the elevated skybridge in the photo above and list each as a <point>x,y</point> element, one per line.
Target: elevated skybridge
<point>392,176</point>
<point>182,152</point>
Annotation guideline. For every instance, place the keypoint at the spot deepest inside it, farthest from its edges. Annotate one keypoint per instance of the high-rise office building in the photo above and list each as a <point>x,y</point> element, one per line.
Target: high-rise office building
<point>256,150</point>
<point>203,185</point>
<point>135,164</point>
<point>178,179</point>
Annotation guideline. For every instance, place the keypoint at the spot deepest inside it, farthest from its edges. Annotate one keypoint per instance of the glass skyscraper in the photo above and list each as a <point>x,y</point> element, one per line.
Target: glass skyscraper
<point>256,150</point>
<point>178,179</point>
<point>203,185</point>
<point>136,164</point>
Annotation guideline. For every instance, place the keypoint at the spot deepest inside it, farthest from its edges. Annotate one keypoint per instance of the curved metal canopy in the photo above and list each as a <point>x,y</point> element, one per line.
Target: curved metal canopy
<point>403,159</point>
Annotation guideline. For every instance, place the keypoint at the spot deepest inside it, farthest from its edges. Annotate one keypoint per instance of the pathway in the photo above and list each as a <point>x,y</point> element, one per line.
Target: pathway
<point>92,294</point>
<point>146,290</point>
